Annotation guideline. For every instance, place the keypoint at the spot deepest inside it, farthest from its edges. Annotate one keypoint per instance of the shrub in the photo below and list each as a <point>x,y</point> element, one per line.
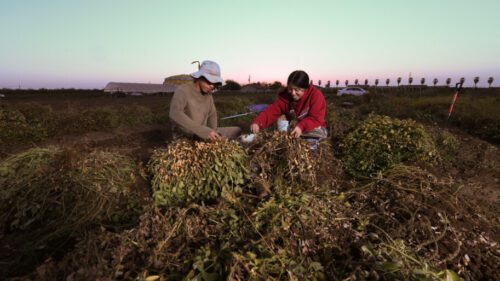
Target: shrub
<point>380,142</point>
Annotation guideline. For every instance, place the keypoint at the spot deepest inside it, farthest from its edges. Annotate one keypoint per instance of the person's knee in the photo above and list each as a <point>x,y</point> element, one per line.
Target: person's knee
<point>230,132</point>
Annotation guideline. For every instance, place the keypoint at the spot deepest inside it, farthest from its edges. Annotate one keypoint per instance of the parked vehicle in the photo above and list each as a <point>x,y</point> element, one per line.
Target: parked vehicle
<point>355,91</point>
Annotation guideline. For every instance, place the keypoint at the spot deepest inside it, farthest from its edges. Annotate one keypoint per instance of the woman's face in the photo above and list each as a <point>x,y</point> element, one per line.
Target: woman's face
<point>296,92</point>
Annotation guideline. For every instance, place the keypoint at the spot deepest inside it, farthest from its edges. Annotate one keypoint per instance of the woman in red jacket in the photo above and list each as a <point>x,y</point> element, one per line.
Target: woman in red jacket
<point>302,104</point>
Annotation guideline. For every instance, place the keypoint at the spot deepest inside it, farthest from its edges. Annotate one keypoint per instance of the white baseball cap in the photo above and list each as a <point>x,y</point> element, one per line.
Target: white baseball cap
<point>210,70</point>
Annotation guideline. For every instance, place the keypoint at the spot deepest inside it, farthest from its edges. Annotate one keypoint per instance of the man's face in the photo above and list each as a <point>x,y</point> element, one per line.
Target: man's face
<point>296,92</point>
<point>206,87</point>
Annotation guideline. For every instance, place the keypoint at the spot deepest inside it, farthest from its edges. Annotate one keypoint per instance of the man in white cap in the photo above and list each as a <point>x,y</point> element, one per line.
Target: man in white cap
<point>192,109</point>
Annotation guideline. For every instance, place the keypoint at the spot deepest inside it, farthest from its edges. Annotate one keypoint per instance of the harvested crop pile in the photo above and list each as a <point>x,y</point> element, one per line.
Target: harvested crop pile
<point>14,127</point>
<point>394,260</point>
<point>290,234</point>
<point>280,238</point>
<point>380,142</point>
<point>50,194</point>
<point>190,171</point>
<point>170,243</point>
<point>299,235</point>
<point>436,222</point>
<point>405,223</point>
<point>52,188</point>
<point>281,157</point>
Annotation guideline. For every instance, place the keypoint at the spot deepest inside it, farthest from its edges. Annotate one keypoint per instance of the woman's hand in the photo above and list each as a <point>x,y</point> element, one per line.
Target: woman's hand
<point>254,128</point>
<point>296,132</point>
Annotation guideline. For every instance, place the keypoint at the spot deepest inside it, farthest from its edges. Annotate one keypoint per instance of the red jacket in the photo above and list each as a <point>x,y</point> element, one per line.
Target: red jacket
<point>310,110</point>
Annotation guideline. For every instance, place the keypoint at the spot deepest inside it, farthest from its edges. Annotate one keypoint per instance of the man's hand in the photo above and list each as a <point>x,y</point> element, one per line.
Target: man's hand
<point>254,128</point>
<point>213,136</point>
<point>297,132</point>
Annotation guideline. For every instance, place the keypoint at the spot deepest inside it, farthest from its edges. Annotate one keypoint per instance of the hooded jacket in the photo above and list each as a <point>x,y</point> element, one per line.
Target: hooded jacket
<point>310,110</point>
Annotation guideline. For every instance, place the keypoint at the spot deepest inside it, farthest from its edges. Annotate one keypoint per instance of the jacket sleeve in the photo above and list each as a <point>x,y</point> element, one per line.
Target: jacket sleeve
<point>212,117</point>
<point>272,113</point>
<point>177,115</point>
<point>316,116</point>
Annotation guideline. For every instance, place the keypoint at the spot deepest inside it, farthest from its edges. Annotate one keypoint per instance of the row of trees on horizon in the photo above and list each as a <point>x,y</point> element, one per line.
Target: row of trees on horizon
<point>410,82</point>
<point>233,85</point>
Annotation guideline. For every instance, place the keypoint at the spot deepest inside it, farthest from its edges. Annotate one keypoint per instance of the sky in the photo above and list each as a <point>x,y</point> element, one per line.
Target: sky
<point>88,43</point>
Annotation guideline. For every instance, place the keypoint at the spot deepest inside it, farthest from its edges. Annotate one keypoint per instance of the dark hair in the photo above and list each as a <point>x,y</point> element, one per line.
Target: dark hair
<point>298,78</point>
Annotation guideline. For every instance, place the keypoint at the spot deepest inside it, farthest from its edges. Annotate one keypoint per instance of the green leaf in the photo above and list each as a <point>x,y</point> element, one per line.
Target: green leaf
<point>448,275</point>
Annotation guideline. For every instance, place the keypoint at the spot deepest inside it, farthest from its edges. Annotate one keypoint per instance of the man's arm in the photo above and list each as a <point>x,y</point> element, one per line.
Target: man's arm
<point>212,117</point>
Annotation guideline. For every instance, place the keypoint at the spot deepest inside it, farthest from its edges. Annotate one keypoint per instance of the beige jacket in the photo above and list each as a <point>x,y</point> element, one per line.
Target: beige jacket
<point>192,112</point>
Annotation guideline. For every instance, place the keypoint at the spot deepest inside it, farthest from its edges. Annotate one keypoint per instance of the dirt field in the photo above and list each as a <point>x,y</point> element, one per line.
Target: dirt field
<point>474,164</point>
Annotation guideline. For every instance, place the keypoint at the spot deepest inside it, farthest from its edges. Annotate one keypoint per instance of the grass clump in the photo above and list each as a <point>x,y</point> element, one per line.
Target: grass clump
<point>380,142</point>
<point>191,171</point>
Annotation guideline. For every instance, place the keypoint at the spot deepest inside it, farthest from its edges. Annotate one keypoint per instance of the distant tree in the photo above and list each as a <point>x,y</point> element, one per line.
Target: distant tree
<point>399,81</point>
<point>366,82</point>
<point>476,80</point>
<point>490,80</point>
<point>356,82</point>
<point>328,85</point>
<point>434,82</point>
<point>422,82</point>
<point>462,80</point>
<point>275,85</point>
<point>346,82</point>
<point>410,80</point>
<point>319,82</point>
<point>387,81</point>
<point>376,82</point>
<point>231,85</point>
<point>337,83</point>
<point>448,82</point>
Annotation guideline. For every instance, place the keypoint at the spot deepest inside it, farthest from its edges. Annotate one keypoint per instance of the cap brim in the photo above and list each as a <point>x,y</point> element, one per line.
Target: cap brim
<point>211,78</point>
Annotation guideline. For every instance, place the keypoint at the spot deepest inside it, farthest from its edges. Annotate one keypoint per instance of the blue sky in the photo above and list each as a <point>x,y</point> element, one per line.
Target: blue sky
<point>85,44</point>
